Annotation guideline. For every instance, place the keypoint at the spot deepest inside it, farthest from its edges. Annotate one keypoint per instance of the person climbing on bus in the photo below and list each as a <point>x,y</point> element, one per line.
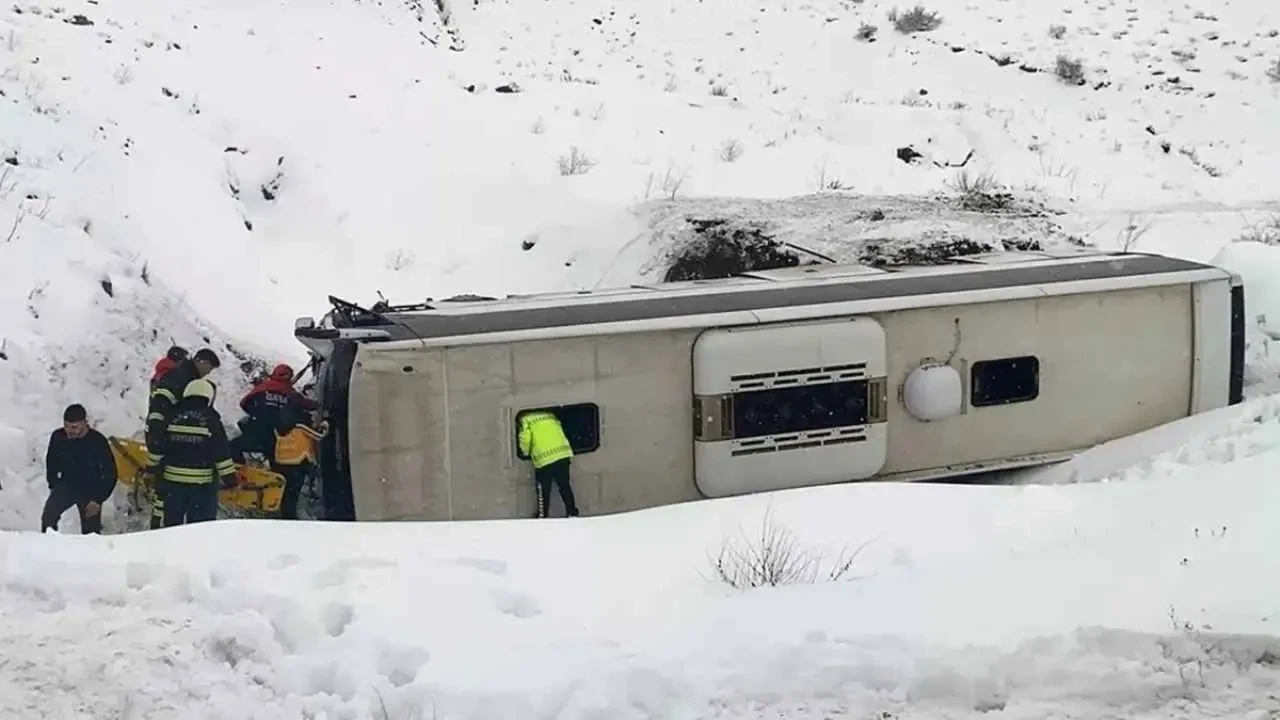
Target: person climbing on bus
<point>543,441</point>
<point>196,459</point>
<point>262,405</point>
<point>169,391</point>
<point>295,454</point>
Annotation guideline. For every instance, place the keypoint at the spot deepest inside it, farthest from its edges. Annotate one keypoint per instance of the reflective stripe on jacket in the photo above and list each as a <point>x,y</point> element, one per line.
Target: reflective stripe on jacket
<point>297,446</point>
<point>194,442</point>
<point>543,439</point>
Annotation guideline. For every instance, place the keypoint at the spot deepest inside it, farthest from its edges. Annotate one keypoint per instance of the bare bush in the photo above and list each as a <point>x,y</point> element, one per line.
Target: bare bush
<point>1273,71</point>
<point>401,259</point>
<point>731,150</point>
<point>773,557</point>
<point>1057,32</point>
<point>669,184</point>
<point>1069,70</point>
<point>574,163</point>
<point>979,193</point>
<point>1132,233</point>
<point>719,90</point>
<point>917,19</point>
<point>7,181</point>
<point>867,32</point>
<point>16,226</point>
<point>1266,232</point>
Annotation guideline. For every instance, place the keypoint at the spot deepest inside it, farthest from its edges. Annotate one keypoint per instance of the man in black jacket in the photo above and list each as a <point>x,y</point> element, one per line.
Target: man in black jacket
<point>81,471</point>
<point>196,459</point>
<point>168,391</point>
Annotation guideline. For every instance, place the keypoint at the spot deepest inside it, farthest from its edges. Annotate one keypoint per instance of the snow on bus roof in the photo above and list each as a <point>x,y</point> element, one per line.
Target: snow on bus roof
<point>790,287</point>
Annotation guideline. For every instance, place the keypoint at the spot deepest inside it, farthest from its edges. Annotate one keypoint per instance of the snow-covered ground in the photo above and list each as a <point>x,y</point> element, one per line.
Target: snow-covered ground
<point>204,171</point>
<point>1149,598</point>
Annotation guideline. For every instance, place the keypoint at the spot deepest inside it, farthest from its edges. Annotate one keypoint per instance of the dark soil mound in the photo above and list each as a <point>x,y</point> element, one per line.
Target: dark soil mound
<point>723,248</point>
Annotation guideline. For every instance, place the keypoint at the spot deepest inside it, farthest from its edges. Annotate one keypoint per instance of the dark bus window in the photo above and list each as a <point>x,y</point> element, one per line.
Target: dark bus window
<point>799,409</point>
<point>1004,381</point>
<point>581,423</point>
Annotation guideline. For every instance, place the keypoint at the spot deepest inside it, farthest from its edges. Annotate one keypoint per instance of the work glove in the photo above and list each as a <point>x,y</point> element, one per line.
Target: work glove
<point>230,481</point>
<point>147,476</point>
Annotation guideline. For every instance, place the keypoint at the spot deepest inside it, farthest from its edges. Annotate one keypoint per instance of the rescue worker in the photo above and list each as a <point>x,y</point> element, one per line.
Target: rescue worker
<point>542,439</point>
<point>295,458</point>
<point>171,360</point>
<point>263,405</point>
<point>196,459</point>
<point>169,390</point>
<point>80,470</point>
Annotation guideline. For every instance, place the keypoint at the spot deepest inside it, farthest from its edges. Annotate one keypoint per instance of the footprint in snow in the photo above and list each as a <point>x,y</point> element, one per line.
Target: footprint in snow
<point>337,617</point>
<point>280,562</point>
<point>515,604</point>
<point>400,665</point>
<point>339,572</point>
<point>493,567</point>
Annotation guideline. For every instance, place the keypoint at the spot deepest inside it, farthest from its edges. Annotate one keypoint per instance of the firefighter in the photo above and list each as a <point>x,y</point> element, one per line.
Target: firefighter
<point>542,439</point>
<point>196,459</point>
<point>295,457</point>
<point>169,390</point>
<point>80,470</point>
<point>264,405</point>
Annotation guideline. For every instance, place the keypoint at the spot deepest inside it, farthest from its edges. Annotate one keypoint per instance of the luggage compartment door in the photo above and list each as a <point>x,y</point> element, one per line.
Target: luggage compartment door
<point>789,405</point>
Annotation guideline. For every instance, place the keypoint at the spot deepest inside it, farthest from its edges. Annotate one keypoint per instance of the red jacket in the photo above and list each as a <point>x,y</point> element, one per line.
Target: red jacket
<point>163,366</point>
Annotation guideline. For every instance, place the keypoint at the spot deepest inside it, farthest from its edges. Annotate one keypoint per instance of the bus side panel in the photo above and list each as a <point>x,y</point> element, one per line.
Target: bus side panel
<point>1109,364</point>
<point>398,434</point>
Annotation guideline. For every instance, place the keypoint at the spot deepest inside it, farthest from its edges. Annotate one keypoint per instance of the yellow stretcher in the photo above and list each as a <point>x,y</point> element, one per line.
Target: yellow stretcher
<point>260,490</point>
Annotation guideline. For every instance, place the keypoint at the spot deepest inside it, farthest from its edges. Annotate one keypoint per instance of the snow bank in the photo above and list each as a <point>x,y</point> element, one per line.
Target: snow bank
<point>614,617</point>
<point>1259,266</point>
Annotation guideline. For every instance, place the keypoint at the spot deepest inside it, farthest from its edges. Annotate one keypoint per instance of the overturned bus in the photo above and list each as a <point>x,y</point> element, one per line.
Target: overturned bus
<point>771,380</point>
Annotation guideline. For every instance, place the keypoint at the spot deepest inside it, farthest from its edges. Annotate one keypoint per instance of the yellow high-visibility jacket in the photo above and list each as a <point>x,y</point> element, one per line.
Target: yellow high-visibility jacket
<point>298,445</point>
<point>542,438</point>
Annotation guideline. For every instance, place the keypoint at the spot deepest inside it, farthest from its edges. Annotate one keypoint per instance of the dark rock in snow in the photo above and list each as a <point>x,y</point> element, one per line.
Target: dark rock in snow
<point>908,154</point>
<point>78,20</point>
<point>508,88</point>
<point>939,250</point>
<point>723,248</point>
<point>107,287</point>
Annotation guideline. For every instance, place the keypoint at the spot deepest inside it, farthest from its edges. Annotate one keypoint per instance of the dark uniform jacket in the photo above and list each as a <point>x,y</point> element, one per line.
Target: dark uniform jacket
<point>84,467</point>
<point>164,401</point>
<point>196,451</point>
<point>273,405</point>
